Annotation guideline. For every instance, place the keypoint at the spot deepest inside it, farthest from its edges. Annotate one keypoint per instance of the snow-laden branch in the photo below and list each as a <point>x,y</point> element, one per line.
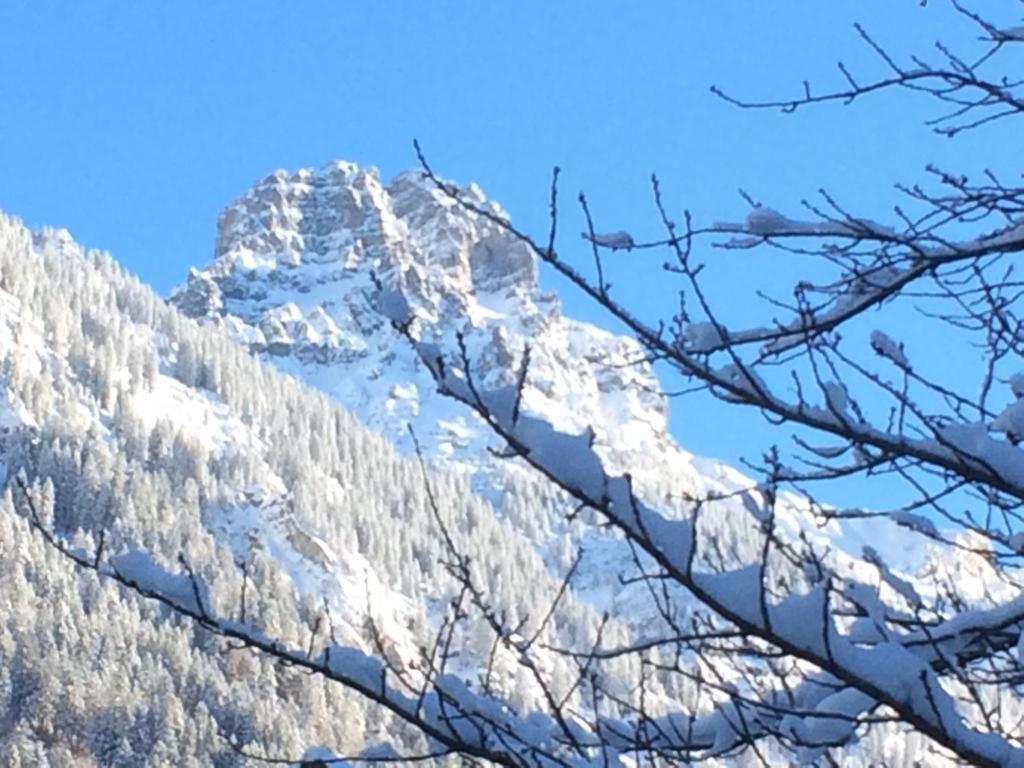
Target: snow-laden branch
<point>862,289</point>
<point>615,241</point>
<point>969,98</point>
<point>762,221</point>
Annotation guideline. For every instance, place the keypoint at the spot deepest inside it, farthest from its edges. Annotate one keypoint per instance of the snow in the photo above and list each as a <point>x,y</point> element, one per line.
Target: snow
<point>566,456</point>
<point>915,522</point>
<point>973,441</point>
<point>762,220</point>
<point>419,248</point>
<point>889,349</point>
<point>321,753</point>
<point>831,722</point>
<point>1007,236</point>
<point>703,337</point>
<point>900,585</point>
<point>1010,34</point>
<point>22,341</point>
<point>743,379</point>
<point>345,581</point>
<point>394,306</point>
<point>836,397</point>
<point>1011,420</point>
<point>288,312</point>
<point>889,666</point>
<point>739,588</point>
<point>1017,385</point>
<point>367,672</point>
<point>195,412</point>
<point>619,240</point>
<point>381,752</point>
<point>139,569</point>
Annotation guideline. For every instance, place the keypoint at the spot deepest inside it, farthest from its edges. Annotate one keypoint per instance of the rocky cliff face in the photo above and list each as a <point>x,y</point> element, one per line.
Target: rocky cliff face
<point>294,278</point>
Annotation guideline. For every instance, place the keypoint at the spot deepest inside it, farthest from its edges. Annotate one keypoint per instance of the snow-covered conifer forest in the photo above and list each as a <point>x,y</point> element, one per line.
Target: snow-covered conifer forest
<point>358,490</point>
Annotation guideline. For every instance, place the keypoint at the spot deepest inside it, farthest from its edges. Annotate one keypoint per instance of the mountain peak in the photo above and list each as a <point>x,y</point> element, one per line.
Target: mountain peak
<point>295,271</point>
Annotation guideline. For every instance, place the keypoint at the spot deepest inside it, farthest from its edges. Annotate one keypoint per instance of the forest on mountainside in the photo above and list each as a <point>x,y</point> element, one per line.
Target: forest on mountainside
<point>131,423</point>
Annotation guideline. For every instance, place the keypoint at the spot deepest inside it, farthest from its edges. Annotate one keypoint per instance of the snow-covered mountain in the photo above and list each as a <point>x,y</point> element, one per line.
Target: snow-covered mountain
<point>299,263</point>
<point>132,422</point>
<point>293,277</point>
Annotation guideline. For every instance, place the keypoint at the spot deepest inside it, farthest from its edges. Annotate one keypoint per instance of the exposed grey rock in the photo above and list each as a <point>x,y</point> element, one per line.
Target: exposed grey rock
<point>298,259</point>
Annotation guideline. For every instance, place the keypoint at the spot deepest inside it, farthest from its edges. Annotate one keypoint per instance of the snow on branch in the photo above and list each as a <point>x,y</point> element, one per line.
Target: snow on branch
<point>615,241</point>
<point>762,221</point>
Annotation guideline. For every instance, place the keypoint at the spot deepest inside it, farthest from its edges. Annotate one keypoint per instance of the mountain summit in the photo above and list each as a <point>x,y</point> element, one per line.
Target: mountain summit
<point>293,277</point>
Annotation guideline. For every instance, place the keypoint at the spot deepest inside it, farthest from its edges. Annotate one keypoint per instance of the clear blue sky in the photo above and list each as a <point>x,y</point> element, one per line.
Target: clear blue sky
<point>133,123</point>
